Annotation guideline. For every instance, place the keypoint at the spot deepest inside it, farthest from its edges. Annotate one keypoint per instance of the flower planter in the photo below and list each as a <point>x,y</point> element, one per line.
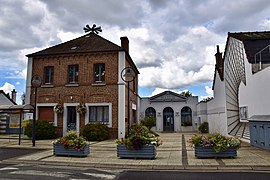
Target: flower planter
<point>147,152</point>
<point>209,152</point>
<point>60,150</point>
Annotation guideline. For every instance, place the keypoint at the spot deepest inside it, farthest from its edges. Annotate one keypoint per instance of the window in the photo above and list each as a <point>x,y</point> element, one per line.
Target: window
<point>99,114</point>
<point>73,73</point>
<point>99,72</point>
<point>150,112</point>
<point>186,116</point>
<point>48,74</point>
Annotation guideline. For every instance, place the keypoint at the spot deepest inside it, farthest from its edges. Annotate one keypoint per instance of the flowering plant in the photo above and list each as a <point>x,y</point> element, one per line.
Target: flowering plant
<point>219,142</point>
<point>58,109</point>
<point>72,139</point>
<point>81,109</point>
<point>139,136</point>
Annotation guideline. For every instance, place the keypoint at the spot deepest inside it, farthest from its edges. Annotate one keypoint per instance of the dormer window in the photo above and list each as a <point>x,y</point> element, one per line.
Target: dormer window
<point>73,73</point>
<point>99,72</point>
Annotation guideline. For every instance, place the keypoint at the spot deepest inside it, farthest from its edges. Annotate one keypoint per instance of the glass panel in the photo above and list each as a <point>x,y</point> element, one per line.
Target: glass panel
<point>99,72</point>
<point>99,114</point>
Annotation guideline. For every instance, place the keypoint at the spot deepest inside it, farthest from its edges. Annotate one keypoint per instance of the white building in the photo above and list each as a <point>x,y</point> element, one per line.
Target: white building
<point>241,84</point>
<point>173,112</point>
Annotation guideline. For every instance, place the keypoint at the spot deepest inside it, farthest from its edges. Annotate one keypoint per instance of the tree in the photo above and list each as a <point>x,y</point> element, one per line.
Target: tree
<point>186,93</point>
<point>23,98</point>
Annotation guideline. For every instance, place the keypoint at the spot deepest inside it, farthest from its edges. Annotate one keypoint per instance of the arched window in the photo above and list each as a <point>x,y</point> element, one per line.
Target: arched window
<point>186,116</point>
<point>150,112</point>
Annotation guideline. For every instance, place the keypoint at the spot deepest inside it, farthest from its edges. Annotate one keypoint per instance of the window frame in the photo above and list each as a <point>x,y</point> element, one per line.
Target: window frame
<point>98,77</point>
<point>87,115</point>
<point>51,74</point>
<point>73,73</point>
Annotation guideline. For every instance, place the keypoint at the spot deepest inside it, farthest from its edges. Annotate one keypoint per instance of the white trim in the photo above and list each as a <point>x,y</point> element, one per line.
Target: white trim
<point>48,104</point>
<point>121,96</point>
<point>28,80</point>
<point>65,117</point>
<point>98,104</point>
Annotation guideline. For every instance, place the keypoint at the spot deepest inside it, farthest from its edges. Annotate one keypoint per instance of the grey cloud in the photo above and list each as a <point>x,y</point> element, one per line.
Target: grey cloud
<point>74,15</point>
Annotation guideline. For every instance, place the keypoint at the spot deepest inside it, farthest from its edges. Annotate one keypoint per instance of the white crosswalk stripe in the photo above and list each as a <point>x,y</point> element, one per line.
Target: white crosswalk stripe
<point>103,176</point>
<point>42,173</point>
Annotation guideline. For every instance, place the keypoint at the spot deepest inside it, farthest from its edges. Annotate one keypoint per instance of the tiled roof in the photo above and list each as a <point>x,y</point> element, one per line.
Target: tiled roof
<point>253,43</point>
<point>88,43</point>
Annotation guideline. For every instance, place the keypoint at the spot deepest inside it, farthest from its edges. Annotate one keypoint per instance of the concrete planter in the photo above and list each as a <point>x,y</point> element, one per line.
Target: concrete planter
<point>147,152</point>
<point>209,152</point>
<point>60,150</point>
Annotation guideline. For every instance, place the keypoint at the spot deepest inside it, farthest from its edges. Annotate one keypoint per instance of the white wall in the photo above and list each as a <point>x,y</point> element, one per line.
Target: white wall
<point>176,106</point>
<point>216,109</point>
<point>256,93</point>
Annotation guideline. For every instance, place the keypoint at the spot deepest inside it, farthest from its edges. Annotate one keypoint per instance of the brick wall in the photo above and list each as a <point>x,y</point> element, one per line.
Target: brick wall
<point>86,91</point>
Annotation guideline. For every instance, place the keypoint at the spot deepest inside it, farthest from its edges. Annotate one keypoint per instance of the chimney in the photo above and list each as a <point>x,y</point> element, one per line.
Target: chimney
<point>13,95</point>
<point>125,43</point>
<point>219,63</point>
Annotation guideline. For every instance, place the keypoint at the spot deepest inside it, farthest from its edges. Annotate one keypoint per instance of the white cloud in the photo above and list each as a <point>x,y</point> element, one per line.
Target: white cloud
<point>209,91</point>
<point>7,87</point>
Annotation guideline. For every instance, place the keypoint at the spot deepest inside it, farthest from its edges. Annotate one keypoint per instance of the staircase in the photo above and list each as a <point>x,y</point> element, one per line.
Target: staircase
<point>241,130</point>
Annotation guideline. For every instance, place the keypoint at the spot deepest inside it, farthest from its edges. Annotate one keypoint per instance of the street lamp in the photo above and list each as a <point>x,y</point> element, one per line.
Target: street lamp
<point>35,83</point>
<point>128,75</point>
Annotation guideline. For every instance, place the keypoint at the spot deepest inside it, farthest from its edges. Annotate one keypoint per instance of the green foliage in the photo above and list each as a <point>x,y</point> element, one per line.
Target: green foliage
<point>219,142</point>
<point>95,131</point>
<point>44,130</point>
<point>71,139</point>
<point>139,135</point>
<point>149,121</point>
<point>186,94</point>
<point>204,128</point>
<point>197,140</point>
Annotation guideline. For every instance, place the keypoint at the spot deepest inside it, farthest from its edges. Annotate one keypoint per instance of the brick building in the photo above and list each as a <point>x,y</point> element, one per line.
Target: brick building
<point>84,71</point>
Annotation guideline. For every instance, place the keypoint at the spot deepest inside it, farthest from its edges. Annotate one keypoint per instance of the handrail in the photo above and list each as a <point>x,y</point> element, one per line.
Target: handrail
<point>260,53</point>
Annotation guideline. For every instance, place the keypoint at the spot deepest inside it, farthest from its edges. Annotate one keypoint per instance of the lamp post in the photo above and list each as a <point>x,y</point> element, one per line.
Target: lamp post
<point>35,83</point>
<point>128,75</point>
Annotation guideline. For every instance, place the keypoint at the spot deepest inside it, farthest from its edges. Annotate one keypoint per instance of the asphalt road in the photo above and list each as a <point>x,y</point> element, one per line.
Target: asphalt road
<point>49,172</point>
<point>176,175</point>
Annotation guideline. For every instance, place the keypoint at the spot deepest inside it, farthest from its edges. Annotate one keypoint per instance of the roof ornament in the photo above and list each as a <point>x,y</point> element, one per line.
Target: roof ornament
<point>93,29</point>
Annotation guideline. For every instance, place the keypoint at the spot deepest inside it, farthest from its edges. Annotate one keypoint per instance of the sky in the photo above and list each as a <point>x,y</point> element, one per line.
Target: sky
<point>172,42</point>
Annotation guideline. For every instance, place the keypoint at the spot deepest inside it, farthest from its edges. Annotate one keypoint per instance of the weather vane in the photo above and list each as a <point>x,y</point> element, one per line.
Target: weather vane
<point>93,29</point>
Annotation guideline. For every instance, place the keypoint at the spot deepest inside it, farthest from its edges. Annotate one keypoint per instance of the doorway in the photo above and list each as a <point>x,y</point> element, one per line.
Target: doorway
<point>168,119</point>
<point>71,117</point>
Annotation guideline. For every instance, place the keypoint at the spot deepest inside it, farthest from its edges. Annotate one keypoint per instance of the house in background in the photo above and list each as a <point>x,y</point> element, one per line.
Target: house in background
<point>241,86</point>
<point>84,71</point>
<point>6,100</point>
<point>173,112</point>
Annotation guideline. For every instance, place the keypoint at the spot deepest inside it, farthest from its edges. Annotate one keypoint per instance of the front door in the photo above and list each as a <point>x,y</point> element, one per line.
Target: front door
<point>71,117</point>
<point>168,119</point>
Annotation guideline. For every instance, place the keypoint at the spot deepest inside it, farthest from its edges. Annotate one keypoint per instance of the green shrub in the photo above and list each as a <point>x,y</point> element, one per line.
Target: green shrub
<point>203,128</point>
<point>44,130</point>
<point>95,131</point>
<point>149,122</point>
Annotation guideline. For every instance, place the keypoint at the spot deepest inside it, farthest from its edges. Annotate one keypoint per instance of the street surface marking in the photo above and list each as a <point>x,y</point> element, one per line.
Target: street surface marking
<point>104,176</point>
<point>42,173</point>
<point>8,168</point>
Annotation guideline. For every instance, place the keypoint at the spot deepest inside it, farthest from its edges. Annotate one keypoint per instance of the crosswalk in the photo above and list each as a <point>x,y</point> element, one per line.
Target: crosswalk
<point>28,171</point>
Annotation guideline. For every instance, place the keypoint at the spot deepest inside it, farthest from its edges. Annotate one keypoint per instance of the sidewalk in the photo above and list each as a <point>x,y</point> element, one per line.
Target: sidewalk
<point>174,154</point>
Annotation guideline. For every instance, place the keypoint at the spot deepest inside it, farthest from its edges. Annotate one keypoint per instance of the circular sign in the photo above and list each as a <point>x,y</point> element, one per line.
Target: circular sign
<point>36,81</point>
<point>128,74</point>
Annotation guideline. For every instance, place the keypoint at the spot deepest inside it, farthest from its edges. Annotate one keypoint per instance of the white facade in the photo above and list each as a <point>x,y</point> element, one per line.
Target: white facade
<point>241,89</point>
<point>173,120</point>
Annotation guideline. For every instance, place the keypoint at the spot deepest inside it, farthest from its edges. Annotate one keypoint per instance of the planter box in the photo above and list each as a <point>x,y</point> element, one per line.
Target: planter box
<point>147,152</point>
<point>60,150</point>
<point>207,152</point>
